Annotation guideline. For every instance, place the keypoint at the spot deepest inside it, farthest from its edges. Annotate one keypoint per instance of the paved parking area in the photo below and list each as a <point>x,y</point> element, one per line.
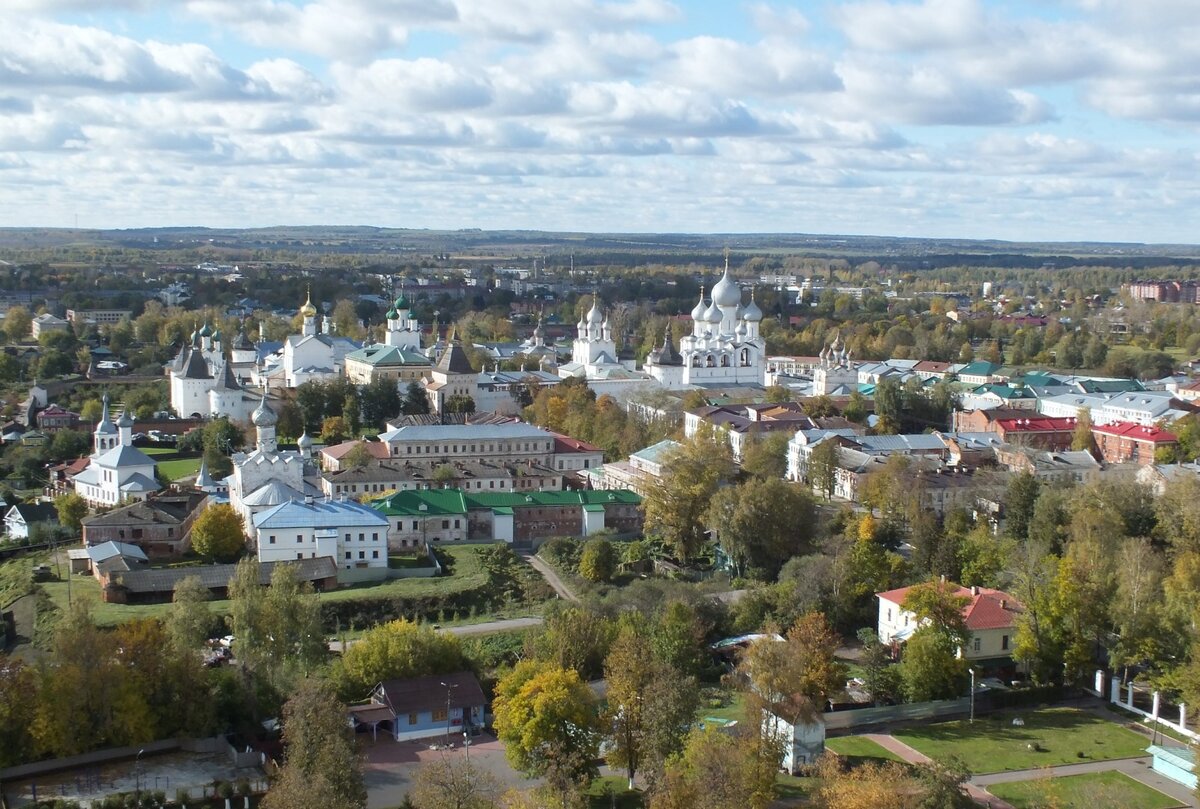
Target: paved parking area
<point>390,765</point>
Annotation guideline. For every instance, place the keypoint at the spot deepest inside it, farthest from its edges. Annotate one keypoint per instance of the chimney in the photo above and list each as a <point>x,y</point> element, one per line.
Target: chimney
<point>1003,603</point>
<point>308,499</point>
<point>943,578</point>
<point>974,590</point>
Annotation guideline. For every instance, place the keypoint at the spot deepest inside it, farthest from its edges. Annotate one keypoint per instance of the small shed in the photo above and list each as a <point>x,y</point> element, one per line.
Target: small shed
<point>1175,762</point>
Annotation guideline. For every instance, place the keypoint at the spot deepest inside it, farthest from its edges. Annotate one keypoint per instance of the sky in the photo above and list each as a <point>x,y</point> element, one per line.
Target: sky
<point>1051,120</point>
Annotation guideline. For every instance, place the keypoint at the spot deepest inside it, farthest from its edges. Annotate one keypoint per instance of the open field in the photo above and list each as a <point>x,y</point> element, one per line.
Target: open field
<point>859,747</point>
<point>467,574</point>
<point>994,744</point>
<point>1083,792</point>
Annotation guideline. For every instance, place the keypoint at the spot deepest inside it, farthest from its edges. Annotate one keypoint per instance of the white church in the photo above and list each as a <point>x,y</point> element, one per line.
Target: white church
<point>203,381</point>
<point>268,476</point>
<point>315,353</point>
<point>724,348</point>
<point>117,471</point>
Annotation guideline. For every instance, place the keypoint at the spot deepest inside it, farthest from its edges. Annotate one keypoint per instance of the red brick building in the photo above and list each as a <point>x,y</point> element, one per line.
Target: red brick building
<point>160,526</point>
<point>1037,431</point>
<point>1125,442</point>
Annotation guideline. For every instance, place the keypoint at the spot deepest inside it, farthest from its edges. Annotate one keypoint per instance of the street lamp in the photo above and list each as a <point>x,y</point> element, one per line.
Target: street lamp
<point>972,670</point>
<point>448,688</point>
<point>137,774</point>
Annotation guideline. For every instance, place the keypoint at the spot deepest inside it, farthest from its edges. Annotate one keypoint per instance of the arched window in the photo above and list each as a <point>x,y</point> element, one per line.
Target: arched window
<point>695,360</point>
<point>745,356</point>
<point>709,362</point>
<point>724,360</point>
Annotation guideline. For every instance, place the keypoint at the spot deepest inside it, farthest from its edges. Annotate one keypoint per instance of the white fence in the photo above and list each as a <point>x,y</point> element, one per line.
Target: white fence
<point>1116,691</point>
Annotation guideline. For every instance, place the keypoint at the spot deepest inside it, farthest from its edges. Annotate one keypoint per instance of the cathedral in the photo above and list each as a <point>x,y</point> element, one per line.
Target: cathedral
<point>268,476</point>
<point>724,347</point>
<point>117,471</point>
<point>203,380</point>
<point>315,353</point>
<point>835,373</point>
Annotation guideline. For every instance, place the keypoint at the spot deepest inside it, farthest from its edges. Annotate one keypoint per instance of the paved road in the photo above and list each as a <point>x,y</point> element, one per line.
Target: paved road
<point>1136,768</point>
<point>550,576</point>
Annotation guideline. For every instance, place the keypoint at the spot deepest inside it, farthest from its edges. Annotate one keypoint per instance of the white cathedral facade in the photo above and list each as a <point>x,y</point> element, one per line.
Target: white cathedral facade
<point>203,380</point>
<point>316,353</point>
<point>267,476</point>
<point>724,348</point>
<point>117,472</point>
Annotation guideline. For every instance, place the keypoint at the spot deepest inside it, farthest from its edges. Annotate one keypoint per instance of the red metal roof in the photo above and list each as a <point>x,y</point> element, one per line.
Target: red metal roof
<point>564,443</point>
<point>1136,432</point>
<point>987,609</point>
<point>1040,424</point>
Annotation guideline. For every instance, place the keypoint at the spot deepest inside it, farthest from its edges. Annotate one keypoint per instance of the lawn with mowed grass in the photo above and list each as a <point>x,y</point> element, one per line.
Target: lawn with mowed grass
<point>179,468</point>
<point>1088,791</point>
<point>1049,737</point>
<point>859,747</point>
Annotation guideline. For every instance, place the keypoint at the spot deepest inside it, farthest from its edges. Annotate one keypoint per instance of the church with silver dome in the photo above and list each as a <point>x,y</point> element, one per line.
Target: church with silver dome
<point>724,348</point>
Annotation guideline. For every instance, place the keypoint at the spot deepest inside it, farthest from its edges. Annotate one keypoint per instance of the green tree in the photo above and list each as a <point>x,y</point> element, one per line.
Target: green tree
<point>1019,502</point>
<point>460,403</point>
<point>449,783</point>
<point>189,621</point>
<point>856,408</point>
<point>761,524</point>
<point>321,768</point>
<point>18,705</point>
<point>574,637</point>
<point>67,445</point>
<point>718,770</point>
<point>823,466</point>
<point>277,629</point>
<point>598,562</point>
<point>334,430</point>
<point>396,650</point>
<point>794,679</point>
<point>939,604</point>
<point>415,402</point>
<point>71,509</point>
<point>1081,437</point>
<point>765,457</point>
<point>217,533</point>
<point>359,457</point>
<point>381,401</point>
<point>778,394</point>
<point>546,716</point>
<point>881,678</point>
<point>86,698</point>
<point>931,668</point>
<point>650,705</point>
<point>678,499</point>
<point>17,323</point>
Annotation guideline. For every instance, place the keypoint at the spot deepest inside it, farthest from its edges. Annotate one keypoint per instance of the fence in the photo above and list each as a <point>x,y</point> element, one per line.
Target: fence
<point>842,720</point>
<point>1127,698</point>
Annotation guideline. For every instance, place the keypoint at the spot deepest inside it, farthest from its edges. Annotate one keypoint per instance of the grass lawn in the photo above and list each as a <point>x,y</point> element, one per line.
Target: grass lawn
<point>858,747</point>
<point>720,703</point>
<point>1084,792</point>
<point>159,450</point>
<point>467,574</point>
<point>181,468</point>
<point>613,790</point>
<point>792,787</point>
<point>993,744</point>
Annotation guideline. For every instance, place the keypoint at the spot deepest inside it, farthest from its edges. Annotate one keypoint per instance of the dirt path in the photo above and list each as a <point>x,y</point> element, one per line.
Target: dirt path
<point>550,576</point>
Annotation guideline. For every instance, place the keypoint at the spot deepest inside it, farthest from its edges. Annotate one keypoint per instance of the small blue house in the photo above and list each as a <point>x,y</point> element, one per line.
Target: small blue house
<point>439,705</point>
<point>1175,762</point>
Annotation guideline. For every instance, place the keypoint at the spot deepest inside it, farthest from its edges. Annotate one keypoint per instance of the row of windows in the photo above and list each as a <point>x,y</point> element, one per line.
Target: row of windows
<point>362,537</point>
<point>446,449</point>
<point>363,554</point>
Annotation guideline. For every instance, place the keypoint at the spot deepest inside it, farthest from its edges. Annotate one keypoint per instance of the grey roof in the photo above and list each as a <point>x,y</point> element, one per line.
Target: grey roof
<point>325,514</point>
<point>454,360</point>
<point>469,432</point>
<point>140,483</point>
<point>35,512</point>
<point>164,580</point>
<point>107,550</point>
<point>167,510</point>
<point>195,367</point>
<point>272,494</point>
<point>899,443</point>
<point>655,452</point>
<point>123,455</point>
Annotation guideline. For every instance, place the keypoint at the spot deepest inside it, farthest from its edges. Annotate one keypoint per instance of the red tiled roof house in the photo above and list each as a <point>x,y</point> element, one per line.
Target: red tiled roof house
<point>1126,442</point>
<point>990,617</point>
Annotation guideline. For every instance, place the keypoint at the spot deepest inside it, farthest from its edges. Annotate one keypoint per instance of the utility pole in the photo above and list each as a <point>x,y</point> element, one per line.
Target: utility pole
<point>972,670</point>
<point>448,690</point>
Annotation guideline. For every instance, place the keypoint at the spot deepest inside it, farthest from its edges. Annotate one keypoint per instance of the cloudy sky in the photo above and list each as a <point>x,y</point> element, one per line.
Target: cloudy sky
<point>1051,119</point>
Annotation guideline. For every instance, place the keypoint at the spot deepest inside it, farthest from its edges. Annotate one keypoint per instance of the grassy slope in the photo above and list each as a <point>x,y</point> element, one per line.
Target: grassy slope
<point>859,747</point>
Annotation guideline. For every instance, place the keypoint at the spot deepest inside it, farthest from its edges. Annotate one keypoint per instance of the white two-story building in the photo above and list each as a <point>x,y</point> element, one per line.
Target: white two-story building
<point>990,617</point>
<point>353,535</point>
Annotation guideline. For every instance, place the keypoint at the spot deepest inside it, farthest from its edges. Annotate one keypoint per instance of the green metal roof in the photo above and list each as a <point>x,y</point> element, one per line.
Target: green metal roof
<point>503,511</point>
<point>379,354</point>
<point>455,501</point>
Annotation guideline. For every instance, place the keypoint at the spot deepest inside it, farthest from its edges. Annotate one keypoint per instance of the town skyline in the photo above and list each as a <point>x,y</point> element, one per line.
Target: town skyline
<point>941,119</point>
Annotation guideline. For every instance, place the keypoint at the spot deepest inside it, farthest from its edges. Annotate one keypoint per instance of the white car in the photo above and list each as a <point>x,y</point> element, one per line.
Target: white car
<point>111,365</point>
